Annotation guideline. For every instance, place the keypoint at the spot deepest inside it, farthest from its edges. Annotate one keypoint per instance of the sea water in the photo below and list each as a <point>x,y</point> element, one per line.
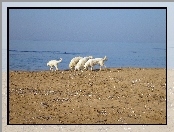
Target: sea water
<point>34,55</point>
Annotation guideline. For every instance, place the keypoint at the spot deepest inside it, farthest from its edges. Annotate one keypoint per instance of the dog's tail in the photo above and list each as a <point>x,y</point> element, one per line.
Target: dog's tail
<point>59,60</point>
<point>105,58</point>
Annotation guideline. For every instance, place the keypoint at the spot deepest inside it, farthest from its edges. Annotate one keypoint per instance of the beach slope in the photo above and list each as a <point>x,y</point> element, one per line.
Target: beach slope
<point>110,96</point>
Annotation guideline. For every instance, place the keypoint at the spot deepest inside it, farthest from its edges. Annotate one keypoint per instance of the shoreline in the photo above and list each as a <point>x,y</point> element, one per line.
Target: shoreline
<point>95,69</point>
<point>110,96</point>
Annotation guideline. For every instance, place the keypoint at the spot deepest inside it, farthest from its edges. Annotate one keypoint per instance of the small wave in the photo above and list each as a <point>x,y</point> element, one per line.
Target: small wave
<point>159,49</point>
<point>13,50</point>
<point>70,53</point>
<point>33,51</point>
<point>55,52</point>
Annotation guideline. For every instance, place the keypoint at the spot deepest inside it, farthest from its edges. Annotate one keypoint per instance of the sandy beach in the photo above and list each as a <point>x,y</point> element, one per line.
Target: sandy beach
<point>110,96</point>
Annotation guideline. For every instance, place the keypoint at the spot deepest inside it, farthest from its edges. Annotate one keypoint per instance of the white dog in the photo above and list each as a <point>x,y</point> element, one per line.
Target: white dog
<point>73,62</point>
<point>54,63</point>
<point>96,61</point>
<point>82,62</point>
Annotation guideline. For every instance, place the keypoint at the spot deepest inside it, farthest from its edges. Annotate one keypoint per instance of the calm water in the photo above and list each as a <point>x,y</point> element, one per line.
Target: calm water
<point>33,55</point>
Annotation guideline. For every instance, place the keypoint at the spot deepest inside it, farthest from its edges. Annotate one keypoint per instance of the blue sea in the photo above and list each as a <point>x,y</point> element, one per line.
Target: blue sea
<point>34,55</point>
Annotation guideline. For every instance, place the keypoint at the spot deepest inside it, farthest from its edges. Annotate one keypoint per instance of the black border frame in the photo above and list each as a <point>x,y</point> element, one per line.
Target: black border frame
<point>8,8</point>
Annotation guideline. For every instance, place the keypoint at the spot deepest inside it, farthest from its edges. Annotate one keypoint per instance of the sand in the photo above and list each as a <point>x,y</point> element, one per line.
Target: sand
<point>110,96</point>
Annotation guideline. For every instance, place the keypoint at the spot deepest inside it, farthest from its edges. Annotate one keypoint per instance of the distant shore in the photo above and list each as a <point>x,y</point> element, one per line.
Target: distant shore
<point>110,96</point>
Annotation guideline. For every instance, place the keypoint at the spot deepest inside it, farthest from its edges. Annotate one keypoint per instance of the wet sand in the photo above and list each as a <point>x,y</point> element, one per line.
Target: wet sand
<point>111,96</point>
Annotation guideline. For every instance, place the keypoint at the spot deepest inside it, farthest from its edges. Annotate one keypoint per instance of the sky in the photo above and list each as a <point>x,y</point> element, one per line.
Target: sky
<point>88,25</point>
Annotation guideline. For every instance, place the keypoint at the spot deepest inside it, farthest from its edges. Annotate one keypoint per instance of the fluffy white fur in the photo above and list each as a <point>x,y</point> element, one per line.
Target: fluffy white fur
<point>54,63</point>
<point>73,62</point>
<point>96,61</point>
<point>81,63</point>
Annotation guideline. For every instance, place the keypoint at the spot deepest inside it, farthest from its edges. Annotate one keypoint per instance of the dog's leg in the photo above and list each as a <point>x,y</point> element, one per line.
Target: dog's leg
<point>56,68</point>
